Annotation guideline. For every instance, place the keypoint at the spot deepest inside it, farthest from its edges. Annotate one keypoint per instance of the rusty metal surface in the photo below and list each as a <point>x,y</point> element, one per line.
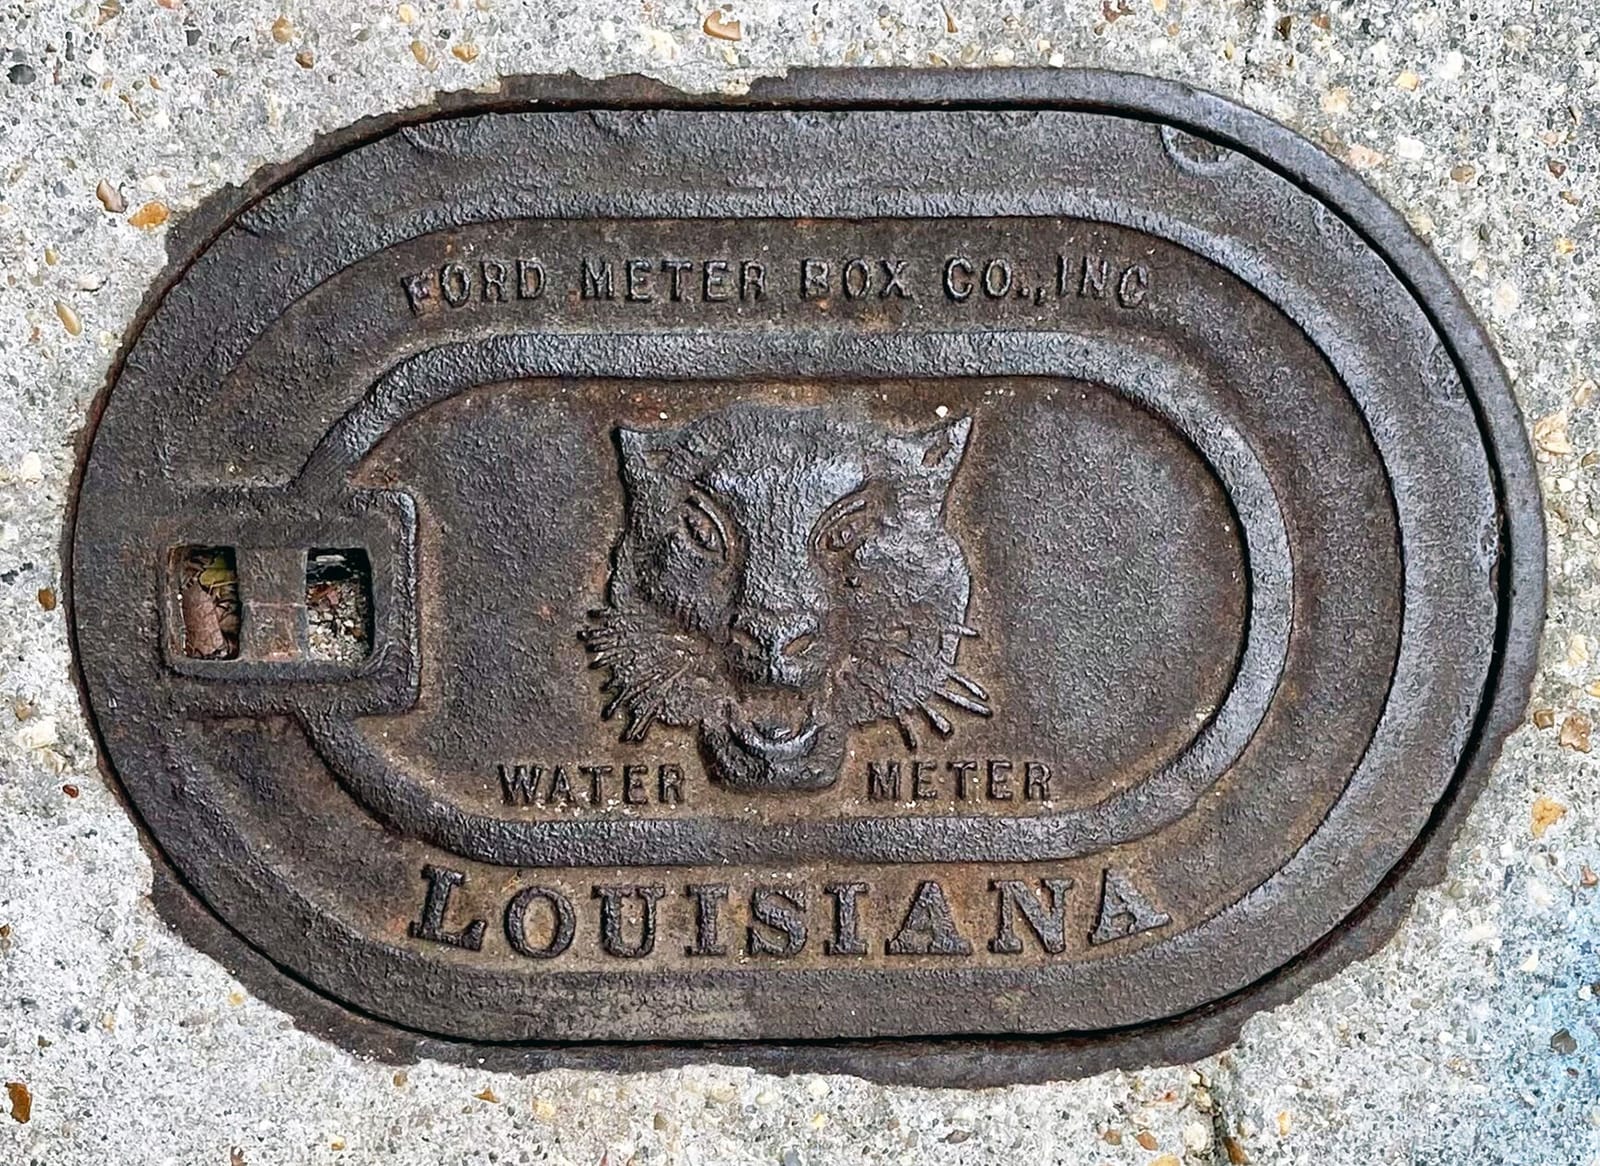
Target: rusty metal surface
<point>956,579</point>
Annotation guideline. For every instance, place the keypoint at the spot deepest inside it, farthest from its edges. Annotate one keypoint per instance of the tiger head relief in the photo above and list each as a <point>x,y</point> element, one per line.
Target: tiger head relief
<point>783,576</point>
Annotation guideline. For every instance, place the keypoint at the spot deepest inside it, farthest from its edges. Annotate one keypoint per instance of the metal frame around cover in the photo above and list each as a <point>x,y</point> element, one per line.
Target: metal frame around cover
<point>957,1060</point>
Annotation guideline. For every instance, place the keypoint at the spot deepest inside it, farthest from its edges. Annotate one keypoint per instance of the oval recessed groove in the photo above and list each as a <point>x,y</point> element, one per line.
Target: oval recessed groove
<point>633,580</point>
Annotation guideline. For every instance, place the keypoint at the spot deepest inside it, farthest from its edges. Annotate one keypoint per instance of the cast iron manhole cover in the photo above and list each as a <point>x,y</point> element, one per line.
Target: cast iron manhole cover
<point>952,577</point>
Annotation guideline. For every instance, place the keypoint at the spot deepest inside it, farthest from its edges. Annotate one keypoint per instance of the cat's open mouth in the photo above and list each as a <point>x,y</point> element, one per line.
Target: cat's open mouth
<point>773,732</point>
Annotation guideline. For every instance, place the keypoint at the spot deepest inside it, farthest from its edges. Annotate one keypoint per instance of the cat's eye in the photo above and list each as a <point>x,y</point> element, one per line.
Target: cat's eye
<point>848,524</point>
<point>848,535</point>
<point>704,527</point>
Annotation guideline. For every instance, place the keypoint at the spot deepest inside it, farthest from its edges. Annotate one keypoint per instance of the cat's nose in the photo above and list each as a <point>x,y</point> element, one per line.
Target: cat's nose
<point>780,642</point>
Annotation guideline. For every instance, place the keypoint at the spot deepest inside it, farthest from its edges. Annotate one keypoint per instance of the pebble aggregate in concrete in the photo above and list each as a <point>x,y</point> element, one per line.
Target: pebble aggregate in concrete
<point>1473,1037</point>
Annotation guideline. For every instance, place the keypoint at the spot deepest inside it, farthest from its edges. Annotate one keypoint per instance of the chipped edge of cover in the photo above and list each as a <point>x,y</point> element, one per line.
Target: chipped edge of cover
<point>953,1061</point>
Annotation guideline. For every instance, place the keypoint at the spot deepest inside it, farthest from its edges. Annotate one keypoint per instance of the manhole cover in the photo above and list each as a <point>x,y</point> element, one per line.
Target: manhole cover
<point>950,577</point>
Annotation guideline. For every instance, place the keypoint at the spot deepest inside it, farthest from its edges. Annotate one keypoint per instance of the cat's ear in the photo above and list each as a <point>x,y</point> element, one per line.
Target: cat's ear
<point>643,451</point>
<point>939,450</point>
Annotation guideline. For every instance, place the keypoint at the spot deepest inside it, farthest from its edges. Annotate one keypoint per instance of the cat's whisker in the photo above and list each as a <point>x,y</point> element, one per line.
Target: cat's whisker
<point>908,732</point>
<point>629,695</point>
<point>937,719</point>
<point>969,684</point>
<point>642,699</point>
<point>640,723</point>
<point>965,702</point>
<point>607,654</point>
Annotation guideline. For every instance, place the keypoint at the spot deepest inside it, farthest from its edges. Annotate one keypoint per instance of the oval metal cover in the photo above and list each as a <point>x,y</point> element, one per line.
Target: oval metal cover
<point>952,577</point>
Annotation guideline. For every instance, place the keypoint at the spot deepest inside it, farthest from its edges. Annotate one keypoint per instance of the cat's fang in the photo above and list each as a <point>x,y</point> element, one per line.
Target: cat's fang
<point>775,747</point>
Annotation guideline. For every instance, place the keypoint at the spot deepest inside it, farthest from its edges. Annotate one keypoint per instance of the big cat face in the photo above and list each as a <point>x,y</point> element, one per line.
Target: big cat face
<point>784,575</point>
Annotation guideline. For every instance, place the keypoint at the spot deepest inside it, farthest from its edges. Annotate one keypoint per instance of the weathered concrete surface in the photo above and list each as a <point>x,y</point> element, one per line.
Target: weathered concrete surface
<point>1472,1038</point>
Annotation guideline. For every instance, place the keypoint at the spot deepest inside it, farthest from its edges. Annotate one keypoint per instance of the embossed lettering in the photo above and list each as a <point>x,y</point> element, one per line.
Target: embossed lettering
<point>994,779</point>
<point>457,284</point>
<point>419,291</point>
<point>1123,910</point>
<point>708,899</point>
<point>453,285</point>
<point>590,783</point>
<point>963,771</point>
<point>442,881</point>
<point>996,278</point>
<point>883,781</point>
<point>715,282</point>
<point>1036,781</point>
<point>1091,277</point>
<point>669,785</point>
<point>494,281</point>
<point>846,920</point>
<point>597,280</point>
<point>613,900</point>
<point>1093,283</point>
<point>520,783</point>
<point>752,280</point>
<point>675,269</point>
<point>999,772</point>
<point>530,279</point>
<point>563,923</point>
<point>781,913</point>
<point>633,787</point>
<point>671,279</point>
<point>813,279</point>
<point>638,281</point>
<point>856,279</point>
<point>893,280</point>
<point>958,278</point>
<point>1049,926</point>
<point>560,786</point>
<point>596,775</point>
<point>1133,286</point>
<point>929,927</point>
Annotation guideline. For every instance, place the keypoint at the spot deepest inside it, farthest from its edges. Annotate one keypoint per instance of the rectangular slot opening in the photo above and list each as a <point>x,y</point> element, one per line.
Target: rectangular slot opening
<point>208,597</point>
<point>339,605</point>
